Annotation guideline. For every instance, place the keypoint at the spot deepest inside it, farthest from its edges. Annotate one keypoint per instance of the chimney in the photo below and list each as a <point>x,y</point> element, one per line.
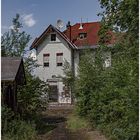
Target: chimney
<point>68,26</point>
<point>81,26</point>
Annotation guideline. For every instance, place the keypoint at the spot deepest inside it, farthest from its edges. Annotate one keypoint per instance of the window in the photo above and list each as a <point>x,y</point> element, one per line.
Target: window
<point>59,59</point>
<point>53,37</point>
<point>82,35</point>
<point>107,59</point>
<point>46,60</point>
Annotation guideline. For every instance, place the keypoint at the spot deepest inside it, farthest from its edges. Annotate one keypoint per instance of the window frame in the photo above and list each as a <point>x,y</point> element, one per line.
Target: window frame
<point>46,63</point>
<point>53,37</point>
<point>58,64</point>
<point>82,34</point>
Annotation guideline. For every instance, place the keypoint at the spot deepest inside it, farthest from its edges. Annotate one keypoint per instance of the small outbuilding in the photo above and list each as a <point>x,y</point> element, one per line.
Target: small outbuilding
<point>12,75</point>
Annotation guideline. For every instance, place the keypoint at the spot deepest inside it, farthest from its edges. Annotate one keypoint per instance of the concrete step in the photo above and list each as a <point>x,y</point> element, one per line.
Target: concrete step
<point>60,106</point>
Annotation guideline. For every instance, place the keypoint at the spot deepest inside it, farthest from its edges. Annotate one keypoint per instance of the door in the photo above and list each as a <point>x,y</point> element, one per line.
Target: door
<point>53,94</point>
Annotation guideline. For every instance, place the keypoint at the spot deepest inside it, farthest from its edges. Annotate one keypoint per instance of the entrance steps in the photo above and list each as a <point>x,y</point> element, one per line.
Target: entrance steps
<point>58,106</point>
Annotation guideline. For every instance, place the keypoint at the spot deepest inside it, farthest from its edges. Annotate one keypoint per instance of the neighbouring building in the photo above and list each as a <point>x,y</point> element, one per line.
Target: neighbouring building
<point>12,75</point>
<point>53,47</point>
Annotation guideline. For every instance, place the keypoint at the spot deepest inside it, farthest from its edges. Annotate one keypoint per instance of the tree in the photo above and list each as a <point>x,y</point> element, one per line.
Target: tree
<point>15,41</point>
<point>69,77</point>
<point>123,14</point>
<point>109,97</point>
<point>14,44</point>
<point>30,97</point>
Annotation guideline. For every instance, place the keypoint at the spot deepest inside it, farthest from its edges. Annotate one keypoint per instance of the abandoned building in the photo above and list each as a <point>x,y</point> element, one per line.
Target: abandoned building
<point>12,75</point>
<point>53,47</point>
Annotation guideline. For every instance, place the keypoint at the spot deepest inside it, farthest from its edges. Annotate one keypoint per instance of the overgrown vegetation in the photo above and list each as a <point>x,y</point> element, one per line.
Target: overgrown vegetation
<point>30,97</point>
<point>15,128</point>
<point>75,122</point>
<point>69,78</point>
<point>109,96</point>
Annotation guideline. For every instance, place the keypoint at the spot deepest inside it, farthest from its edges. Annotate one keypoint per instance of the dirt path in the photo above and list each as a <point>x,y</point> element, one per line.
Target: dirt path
<point>56,119</point>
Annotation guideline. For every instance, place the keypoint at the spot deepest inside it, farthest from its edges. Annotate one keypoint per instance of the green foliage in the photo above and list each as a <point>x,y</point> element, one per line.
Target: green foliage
<point>6,115</point>
<point>13,128</point>
<point>121,15</point>
<point>109,97</point>
<point>69,77</point>
<point>32,97</point>
<point>89,80</point>
<point>14,42</point>
<point>75,122</point>
<point>20,130</point>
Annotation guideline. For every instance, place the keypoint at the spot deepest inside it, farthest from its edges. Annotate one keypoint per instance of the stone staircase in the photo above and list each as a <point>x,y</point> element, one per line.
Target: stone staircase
<point>58,106</point>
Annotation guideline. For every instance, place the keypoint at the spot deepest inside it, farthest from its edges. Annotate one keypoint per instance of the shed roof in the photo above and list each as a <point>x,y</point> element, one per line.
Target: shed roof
<point>9,68</point>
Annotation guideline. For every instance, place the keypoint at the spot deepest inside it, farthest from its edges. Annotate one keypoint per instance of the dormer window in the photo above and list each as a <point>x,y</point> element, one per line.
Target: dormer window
<point>82,35</point>
<point>53,37</point>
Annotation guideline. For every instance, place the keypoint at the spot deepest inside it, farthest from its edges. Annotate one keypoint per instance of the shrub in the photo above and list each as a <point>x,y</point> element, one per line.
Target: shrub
<point>109,96</point>
<point>13,128</point>
<point>20,130</point>
<point>30,96</point>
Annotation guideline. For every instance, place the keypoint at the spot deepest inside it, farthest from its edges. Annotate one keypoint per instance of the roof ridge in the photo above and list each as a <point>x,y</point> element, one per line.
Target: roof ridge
<point>87,22</point>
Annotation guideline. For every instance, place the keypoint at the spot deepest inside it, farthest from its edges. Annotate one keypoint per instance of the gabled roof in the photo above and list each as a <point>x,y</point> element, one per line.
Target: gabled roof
<point>9,68</point>
<point>38,40</point>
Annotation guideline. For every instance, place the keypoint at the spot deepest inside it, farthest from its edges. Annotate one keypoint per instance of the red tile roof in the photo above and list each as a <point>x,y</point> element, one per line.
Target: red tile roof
<point>91,29</point>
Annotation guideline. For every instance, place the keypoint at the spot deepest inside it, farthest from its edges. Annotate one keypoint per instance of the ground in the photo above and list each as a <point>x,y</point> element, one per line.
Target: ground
<point>55,127</point>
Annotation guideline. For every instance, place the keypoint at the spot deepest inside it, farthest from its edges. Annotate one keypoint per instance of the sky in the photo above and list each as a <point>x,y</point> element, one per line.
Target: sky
<point>37,15</point>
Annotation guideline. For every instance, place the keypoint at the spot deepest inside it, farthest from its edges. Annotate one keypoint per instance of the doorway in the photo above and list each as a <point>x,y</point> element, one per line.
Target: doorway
<point>53,93</point>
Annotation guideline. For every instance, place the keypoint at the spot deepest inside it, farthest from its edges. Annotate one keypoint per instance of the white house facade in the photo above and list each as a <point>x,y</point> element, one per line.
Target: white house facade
<point>53,48</point>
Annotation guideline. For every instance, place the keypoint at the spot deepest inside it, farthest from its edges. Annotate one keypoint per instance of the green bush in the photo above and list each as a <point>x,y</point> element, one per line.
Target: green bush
<point>13,128</point>
<point>20,130</point>
<point>31,96</point>
<point>7,115</point>
<point>109,96</point>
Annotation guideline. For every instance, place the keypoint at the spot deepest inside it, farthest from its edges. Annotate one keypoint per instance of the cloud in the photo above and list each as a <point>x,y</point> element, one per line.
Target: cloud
<point>28,20</point>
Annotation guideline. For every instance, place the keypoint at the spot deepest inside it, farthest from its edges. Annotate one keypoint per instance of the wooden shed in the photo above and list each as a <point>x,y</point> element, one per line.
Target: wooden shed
<point>12,75</point>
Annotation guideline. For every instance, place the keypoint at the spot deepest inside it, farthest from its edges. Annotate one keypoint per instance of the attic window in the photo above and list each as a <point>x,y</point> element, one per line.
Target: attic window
<point>53,37</point>
<point>82,35</point>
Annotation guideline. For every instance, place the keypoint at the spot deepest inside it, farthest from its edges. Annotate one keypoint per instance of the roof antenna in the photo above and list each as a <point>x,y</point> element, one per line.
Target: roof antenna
<point>81,27</point>
<point>87,20</point>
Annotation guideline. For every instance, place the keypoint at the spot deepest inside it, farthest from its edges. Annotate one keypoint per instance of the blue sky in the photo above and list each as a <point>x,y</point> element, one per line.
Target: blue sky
<point>36,15</point>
